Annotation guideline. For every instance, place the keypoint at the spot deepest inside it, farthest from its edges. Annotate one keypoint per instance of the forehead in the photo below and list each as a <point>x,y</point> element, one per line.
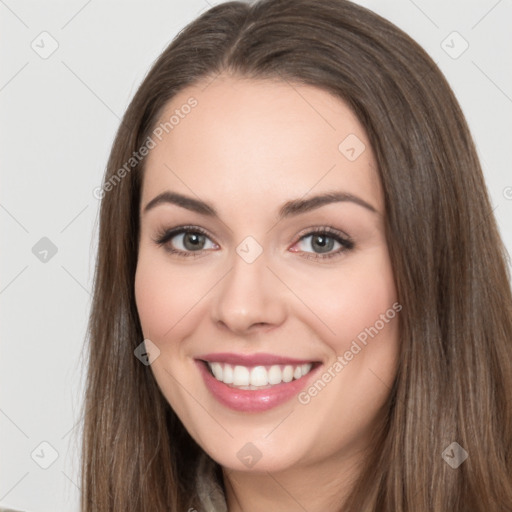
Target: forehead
<point>241,138</point>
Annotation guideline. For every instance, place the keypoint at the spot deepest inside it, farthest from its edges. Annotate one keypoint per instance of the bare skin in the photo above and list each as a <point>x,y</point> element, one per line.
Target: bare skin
<point>247,148</point>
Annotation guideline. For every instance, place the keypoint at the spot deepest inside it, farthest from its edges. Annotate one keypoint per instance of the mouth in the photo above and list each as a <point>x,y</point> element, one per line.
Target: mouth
<point>254,383</point>
<point>257,377</point>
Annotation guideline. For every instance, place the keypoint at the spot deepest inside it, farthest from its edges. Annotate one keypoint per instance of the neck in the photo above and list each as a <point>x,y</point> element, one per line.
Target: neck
<point>313,487</point>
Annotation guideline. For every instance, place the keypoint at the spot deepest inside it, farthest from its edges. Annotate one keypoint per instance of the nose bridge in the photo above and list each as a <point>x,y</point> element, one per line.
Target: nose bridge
<point>249,294</point>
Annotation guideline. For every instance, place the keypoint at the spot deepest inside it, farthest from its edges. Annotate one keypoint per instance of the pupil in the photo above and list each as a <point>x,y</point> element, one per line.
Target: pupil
<point>324,247</point>
<point>193,240</point>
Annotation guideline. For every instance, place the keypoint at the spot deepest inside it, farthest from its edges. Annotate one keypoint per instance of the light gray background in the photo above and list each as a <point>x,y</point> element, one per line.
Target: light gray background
<point>59,116</point>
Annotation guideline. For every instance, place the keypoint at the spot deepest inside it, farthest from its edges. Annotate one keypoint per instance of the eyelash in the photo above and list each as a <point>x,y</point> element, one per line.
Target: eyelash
<point>164,236</point>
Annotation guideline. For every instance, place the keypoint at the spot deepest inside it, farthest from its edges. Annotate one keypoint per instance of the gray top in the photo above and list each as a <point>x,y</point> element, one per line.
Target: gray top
<point>209,493</point>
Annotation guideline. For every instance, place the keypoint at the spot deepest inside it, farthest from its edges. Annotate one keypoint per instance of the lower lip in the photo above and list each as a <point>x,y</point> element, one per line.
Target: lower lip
<point>246,400</point>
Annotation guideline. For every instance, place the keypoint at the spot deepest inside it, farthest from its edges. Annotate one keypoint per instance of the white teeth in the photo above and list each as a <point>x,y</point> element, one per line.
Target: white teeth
<point>275,375</point>
<point>288,373</point>
<point>227,373</point>
<point>217,370</point>
<point>257,376</point>
<point>241,376</point>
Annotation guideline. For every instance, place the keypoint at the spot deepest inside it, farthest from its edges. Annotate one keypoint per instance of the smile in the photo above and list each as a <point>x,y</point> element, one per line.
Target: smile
<point>254,383</point>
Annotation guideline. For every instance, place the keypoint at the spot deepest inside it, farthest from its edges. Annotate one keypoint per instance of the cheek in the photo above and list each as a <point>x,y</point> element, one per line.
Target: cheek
<point>160,296</point>
<point>366,305</point>
<point>168,297</point>
<point>154,305</point>
<point>348,302</point>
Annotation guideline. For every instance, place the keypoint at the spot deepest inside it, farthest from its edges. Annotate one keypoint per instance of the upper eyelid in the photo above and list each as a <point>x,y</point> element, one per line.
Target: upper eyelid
<point>323,229</point>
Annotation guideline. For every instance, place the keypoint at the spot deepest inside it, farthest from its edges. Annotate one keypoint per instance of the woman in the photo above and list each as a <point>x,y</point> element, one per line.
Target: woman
<point>341,338</point>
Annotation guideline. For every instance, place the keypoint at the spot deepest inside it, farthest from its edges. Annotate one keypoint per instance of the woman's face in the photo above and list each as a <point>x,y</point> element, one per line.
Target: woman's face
<point>275,313</point>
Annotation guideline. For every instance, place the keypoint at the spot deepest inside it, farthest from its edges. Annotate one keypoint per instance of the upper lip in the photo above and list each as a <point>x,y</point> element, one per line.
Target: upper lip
<point>260,359</point>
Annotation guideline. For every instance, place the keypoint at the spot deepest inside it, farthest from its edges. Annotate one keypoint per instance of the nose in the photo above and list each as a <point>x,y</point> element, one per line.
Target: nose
<point>250,298</point>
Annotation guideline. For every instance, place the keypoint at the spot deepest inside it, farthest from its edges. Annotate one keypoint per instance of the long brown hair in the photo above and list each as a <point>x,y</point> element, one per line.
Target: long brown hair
<point>455,374</point>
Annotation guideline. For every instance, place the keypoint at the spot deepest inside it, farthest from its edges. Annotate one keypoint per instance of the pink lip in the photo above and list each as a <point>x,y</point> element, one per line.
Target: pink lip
<point>251,359</point>
<point>245,400</point>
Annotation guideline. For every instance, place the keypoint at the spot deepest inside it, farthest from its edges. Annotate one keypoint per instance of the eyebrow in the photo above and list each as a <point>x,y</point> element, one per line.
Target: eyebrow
<point>288,209</point>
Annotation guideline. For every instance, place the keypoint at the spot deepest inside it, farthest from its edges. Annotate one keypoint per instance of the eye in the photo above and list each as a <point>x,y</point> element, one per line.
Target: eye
<point>194,241</point>
<point>322,241</point>
<point>185,241</point>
